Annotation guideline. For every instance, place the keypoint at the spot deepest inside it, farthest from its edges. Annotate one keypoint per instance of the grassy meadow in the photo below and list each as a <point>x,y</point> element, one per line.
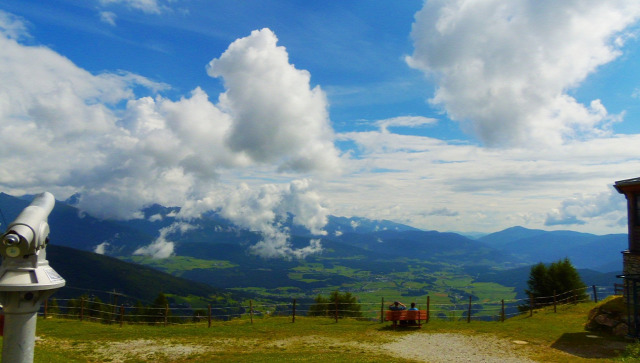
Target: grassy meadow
<point>546,336</point>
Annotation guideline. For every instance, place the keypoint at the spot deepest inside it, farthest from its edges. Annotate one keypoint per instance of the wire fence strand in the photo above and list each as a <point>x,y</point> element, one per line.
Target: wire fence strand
<point>95,310</point>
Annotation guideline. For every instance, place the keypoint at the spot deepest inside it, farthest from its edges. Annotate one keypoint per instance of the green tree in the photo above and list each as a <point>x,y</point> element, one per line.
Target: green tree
<point>53,308</point>
<point>158,309</point>
<point>320,308</point>
<point>347,305</point>
<point>199,315</point>
<point>97,309</point>
<point>73,307</point>
<point>559,278</point>
<point>539,282</point>
<point>140,313</point>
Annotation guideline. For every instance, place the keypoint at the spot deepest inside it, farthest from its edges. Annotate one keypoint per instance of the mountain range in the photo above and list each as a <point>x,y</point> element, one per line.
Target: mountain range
<point>357,253</point>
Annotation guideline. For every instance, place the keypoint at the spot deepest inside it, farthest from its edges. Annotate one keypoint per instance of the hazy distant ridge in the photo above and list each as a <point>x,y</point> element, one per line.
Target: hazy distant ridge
<point>345,237</point>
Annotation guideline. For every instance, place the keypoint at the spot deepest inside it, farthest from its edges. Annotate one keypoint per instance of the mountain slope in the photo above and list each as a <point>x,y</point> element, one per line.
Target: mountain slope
<point>253,271</point>
<point>426,245</point>
<point>71,228</point>
<point>358,255</point>
<point>505,237</point>
<point>585,250</point>
<point>90,272</point>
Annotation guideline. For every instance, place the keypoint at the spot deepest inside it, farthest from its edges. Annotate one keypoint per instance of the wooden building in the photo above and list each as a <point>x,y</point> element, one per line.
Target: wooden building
<point>631,257</point>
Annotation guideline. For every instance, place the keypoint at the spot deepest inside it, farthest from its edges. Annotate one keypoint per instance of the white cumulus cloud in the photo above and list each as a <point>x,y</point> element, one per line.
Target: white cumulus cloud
<point>13,27</point>
<point>265,209</point>
<point>503,68</point>
<point>101,248</point>
<point>278,116</point>
<point>580,208</point>
<point>162,247</point>
<point>66,130</point>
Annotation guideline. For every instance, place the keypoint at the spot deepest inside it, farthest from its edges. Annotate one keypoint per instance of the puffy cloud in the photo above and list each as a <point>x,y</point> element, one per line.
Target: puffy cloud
<point>504,68</point>
<point>576,210</point>
<point>424,182</point>
<point>278,117</point>
<point>265,209</point>
<point>162,247</point>
<point>66,129</point>
<point>101,248</point>
<point>557,218</point>
<point>13,27</point>
<point>277,245</point>
<point>56,119</point>
<point>306,206</point>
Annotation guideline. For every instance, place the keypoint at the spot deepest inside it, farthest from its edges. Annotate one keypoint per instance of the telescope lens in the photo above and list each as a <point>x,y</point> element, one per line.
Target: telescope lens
<point>12,251</point>
<point>10,240</point>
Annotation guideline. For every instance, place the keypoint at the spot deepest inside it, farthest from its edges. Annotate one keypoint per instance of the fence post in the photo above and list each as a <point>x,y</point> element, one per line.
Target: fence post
<point>44,315</point>
<point>121,315</point>
<point>166,314</point>
<point>81,308</point>
<point>469,311</point>
<point>382,311</point>
<point>209,317</point>
<point>294,311</point>
<point>502,312</point>
<point>251,311</point>
<point>336,308</point>
<point>428,308</point>
<point>530,305</point>
<point>555,309</point>
<point>595,294</point>
<point>115,303</point>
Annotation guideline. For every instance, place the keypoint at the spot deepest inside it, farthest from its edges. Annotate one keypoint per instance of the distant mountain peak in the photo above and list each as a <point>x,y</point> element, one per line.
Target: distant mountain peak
<point>159,210</point>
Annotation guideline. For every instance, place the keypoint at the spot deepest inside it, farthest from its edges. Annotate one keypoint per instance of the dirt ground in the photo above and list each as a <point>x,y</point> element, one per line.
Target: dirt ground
<point>450,347</point>
<point>422,347</point>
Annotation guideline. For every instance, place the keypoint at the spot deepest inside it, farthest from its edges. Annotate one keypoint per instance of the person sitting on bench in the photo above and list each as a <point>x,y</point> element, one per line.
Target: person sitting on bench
<point>397,305</point>
<point>413,307</point>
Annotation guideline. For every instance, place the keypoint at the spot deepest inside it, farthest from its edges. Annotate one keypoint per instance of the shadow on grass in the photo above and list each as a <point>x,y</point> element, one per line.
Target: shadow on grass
<point>410,328</point>
<point>589,345</point>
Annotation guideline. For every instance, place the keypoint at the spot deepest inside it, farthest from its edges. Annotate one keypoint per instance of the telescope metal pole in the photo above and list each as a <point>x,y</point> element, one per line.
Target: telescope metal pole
<point>19,335</point>
<point>20,316</point>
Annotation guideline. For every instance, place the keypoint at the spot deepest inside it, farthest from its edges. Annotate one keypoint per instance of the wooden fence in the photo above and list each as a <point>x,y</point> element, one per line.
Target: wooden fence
<point>168,315</point>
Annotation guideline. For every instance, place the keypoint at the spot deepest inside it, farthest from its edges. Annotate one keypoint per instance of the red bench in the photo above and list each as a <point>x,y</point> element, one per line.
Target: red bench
<point>417,316</point>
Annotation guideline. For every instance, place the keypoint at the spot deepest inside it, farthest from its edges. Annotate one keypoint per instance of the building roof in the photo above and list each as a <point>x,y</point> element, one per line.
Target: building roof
<point>620,185</point>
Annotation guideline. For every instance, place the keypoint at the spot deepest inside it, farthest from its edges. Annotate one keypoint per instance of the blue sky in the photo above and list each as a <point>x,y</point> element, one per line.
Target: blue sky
<point>448,115</point>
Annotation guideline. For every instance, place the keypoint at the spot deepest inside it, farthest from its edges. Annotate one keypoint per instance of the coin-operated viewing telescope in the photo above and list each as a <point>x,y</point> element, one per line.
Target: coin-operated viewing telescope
<point>26,279</point>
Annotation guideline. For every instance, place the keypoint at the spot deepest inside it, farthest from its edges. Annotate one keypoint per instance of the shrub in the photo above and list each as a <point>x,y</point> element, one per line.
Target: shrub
<point>347,305</point>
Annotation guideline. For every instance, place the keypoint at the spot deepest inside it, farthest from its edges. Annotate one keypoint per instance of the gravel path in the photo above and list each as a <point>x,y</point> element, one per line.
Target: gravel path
<point>436,348</point>
<point>424,347</point>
